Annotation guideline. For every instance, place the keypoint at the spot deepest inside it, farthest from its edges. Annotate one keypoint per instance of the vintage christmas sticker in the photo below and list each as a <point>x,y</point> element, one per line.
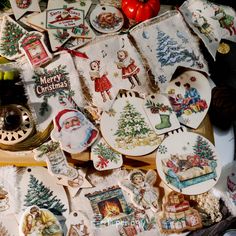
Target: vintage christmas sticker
<point>211,22</point>
<point>8,197</point>
<point>140,185</point>
<point>104,157</point>
<point>8,225</point>
<point>188,163</point>
<point>106,19</point>
<point>56,160</point>
<point>116,65</point>
<point>20,7</point>
<point>177,216</point>
<point>74,185</point>
<point>52,89</point>
<point>190,96</point>
<point>11,33</point>
<point>160,113</point>
<point>73,130</point>
<point>36,186</point>
<point>166,42</point>
<point>39,221</point>
<point>34,48</point>
<point>78,224</point>
<point>62,21</point>
<point>126,127</point>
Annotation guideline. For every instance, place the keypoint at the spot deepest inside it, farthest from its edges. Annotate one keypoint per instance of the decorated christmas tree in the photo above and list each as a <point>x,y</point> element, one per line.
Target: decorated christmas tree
<point>169,51</point>
<point>3,230</point>
<point>133,130</point>
<point>10,35</point>
<point>42,197</point>
<point>203,149</point>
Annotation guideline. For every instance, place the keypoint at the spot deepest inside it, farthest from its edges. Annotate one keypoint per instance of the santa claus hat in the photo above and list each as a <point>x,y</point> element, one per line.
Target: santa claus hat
<point>63,115</point>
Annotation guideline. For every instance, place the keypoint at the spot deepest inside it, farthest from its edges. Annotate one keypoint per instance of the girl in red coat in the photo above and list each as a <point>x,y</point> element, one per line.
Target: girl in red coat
<point>101,83</point>
<point>128,67</point>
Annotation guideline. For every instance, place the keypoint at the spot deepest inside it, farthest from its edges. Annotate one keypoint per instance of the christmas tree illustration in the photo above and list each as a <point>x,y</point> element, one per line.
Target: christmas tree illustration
<point>11,34</point>
<point>3,230</point>
<point>42,197</point>
<point>133,130</point>
<point>203,149</point>
<point>170,51</point>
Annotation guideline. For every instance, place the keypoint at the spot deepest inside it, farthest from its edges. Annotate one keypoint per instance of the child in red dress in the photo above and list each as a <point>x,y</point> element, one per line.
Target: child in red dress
<point>101,83</point>
<point>128,68</point>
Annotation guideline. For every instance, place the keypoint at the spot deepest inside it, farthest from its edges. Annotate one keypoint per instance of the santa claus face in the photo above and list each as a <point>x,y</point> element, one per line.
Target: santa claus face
<point>94,66</point>
<point>71,123</point>
<point>121,55</point>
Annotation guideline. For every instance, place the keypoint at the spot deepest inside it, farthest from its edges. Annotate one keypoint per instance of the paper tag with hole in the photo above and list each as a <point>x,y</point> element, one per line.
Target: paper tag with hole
<point>160,113</point>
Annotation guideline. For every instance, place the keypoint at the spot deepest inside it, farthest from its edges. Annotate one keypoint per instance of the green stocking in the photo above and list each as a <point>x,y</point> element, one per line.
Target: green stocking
<point>165,122</point>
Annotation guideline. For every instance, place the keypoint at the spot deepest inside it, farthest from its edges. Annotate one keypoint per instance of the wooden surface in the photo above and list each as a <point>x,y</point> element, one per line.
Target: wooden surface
<point>144,162</point>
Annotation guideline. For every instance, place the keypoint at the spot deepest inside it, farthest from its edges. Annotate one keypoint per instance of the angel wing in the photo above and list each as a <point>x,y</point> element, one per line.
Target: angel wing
<point>151,177</point>
<point>126,184</point>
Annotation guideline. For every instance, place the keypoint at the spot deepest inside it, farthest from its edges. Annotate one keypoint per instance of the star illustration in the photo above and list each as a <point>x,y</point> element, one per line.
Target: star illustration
<point>111,112</point>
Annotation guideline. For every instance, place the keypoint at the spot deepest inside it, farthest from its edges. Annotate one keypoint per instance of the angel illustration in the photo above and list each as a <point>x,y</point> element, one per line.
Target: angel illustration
<point>144,195</point>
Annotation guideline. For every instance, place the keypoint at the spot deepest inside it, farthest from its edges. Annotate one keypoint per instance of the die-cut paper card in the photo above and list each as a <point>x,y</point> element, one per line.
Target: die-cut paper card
<point>56,160</point>
<point>63,20</point>
<point>116,65</point>
<point>140,186</point>
<point>78,224</point>
<point>160,113</point>
<point>39,221</point>
<point>188,163</point>
<point>74,185</point>
<point>73,130</point>
<point>106,19</point>
<point>37,187</point>
<point>190,96</point>
<point>8,225</point>
<point>10,34</point>
<point>166,42</point>
<point>8,198</point>
<point>52,89</point>
<point>34,48</point>
<point>126,127</point>
<point>20,7</point>
<point>211,22</point>
<point>104,157</point>
<point>177,215</point>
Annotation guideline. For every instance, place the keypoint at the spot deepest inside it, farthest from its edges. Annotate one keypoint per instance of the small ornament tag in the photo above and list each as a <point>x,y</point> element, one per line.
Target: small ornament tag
<point>78,224</point>
<point>20,7</point>
<point>104,157</point>
<point>38,221</point>
<point>56,160</point>
<point>32,44</point>
<point>160,113</point>
<point>223,48</point>
<point>140,185</point>
<point>73,130</point>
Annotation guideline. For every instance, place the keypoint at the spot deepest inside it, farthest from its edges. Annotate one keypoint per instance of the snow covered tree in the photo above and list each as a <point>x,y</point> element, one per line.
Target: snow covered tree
<point>10,36</point>
<point>169,51</point>
<point>42,197</point>
<point>203,149</point>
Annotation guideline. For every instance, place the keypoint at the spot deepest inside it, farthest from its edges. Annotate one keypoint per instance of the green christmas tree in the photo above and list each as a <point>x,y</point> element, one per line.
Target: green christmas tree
<point>42,197</point>
<point>10,37</point>
<point>203,149</point>
<point>131,123</point>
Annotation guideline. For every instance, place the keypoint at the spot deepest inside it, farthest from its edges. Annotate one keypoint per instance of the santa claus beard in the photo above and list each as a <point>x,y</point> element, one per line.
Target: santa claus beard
<point>74,137</point>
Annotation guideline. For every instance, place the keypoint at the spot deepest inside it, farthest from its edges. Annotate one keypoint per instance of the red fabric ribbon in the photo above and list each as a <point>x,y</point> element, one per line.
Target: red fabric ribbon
<point>73,52</point>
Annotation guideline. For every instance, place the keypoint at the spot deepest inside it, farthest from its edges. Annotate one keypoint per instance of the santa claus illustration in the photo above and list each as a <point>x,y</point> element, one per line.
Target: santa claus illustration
<point>73,130</point>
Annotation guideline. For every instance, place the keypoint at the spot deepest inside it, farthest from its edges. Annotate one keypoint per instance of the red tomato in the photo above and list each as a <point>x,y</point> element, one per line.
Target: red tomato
<point>140,10</point>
